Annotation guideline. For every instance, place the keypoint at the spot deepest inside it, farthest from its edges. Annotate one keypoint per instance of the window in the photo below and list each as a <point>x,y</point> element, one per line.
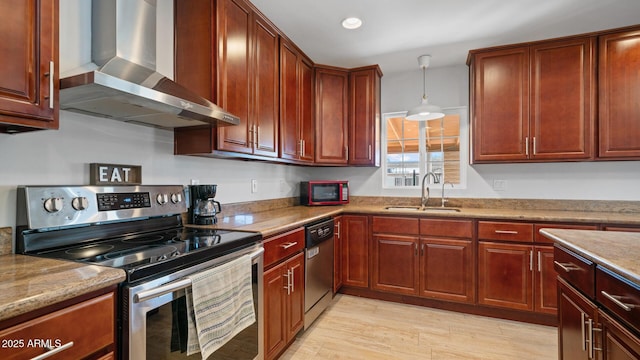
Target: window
<point>414,148</point>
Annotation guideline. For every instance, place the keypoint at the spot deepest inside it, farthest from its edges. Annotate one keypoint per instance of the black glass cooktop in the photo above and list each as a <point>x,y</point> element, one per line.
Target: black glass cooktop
<point>154,253</point>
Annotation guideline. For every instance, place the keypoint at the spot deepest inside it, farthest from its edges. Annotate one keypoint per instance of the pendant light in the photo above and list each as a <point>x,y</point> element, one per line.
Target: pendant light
<point>424,111</point>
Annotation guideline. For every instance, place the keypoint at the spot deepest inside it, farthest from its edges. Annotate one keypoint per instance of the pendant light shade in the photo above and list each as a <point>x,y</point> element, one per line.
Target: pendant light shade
<point>424,111</point>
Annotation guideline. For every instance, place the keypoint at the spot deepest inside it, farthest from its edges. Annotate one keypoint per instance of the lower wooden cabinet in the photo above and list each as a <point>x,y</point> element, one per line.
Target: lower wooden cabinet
<point>576,314</point>
<point>283,304</point>
<point>395,263</point>
<point>447,269</point>
<point>597,311</point>
<point>85,330</point>
<point>505,275</point>
<point>355,250</point>
<point>618,343</point>
<point>430,258</point>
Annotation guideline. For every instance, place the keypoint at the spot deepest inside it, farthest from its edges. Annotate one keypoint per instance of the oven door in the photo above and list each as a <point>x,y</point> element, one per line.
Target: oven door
<point>151,331</point>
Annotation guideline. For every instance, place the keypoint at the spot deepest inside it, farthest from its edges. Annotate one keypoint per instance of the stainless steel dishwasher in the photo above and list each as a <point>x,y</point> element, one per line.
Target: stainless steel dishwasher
<point>318,272</point>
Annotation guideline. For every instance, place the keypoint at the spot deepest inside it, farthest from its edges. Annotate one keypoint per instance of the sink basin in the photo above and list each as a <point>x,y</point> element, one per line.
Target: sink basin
<point>418,208</point>
<point>402,208</point>
<point>440,209</point>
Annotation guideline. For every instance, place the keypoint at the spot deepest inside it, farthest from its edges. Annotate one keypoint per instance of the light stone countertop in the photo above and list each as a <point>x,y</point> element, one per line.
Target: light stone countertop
<point>28,283</point>
<point>279,220</point>
<point>616,251</point>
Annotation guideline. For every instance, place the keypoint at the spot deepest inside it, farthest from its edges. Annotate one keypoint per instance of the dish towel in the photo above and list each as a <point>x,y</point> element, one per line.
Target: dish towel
<point>219,305</point>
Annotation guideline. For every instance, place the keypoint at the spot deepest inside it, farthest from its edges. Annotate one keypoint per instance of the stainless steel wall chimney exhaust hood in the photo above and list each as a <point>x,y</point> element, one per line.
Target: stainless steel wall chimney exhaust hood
<point>126,85</point>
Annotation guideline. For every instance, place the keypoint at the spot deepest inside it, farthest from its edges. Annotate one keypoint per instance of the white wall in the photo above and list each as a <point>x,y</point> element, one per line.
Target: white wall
<point>62,157</point>
<point>448,87</point>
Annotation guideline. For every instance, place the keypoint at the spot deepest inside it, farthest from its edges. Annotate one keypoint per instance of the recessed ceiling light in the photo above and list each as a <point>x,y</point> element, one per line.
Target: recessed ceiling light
<point>351,23</point>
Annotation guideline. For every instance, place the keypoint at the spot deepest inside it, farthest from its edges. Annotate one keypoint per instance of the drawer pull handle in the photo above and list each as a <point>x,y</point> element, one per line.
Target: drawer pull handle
<point>288,245</point>
<point>509,232</point>
<point>566,267</point>
<point>53,351</point>
<point>616,300</point>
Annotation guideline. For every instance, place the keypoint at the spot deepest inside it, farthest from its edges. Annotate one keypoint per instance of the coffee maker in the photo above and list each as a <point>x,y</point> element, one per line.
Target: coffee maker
<point>204,208</point>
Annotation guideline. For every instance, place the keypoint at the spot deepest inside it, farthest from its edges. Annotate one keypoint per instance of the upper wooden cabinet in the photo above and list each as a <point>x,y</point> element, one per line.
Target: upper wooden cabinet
<point>533,103</point>
<point>332,115</point>
<point>297,132</point>
<point>239,70</point>
<point>29,71</point>
<point>619,91</point>
<point>364,116</point>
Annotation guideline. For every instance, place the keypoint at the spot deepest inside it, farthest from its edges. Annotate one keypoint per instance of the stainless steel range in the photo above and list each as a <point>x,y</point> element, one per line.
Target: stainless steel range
<point>139,229</point>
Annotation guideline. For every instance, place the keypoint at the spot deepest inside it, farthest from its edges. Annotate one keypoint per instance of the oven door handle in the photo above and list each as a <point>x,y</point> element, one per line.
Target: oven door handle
<point>175,286</point>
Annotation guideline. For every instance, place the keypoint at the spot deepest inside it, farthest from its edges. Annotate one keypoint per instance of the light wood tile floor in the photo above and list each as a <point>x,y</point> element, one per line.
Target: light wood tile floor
<point>358,328</point>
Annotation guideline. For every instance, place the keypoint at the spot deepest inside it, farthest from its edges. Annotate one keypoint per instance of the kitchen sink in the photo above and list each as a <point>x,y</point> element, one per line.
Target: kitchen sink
<point>418,208</point>
<point>440,209</point>
<point>402,208</point>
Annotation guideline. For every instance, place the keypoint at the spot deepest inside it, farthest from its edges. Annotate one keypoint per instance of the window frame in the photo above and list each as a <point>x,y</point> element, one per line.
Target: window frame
<point>464,147</point>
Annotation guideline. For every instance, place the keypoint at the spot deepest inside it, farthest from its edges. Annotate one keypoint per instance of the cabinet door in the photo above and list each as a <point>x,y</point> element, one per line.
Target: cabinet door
<point>446,269</point>
<point>618,94</point>
<point>332,116</point>
<point>395,264</point>
<point>275,297</point>
<point>337,254</point>
<point>305,104</point>
<point>618,343</point>
<point>29,53</point>
<point>500,105</point>
<point>234,73</point>
<point>574,314</point>
<point>546,293</point>
<point>562,99</point>
<point>265,86</point>
<point>290,146</point>
<point>364,119</point>
<point>295,300</point>
<point>505,275</point>
<point>355,250</point>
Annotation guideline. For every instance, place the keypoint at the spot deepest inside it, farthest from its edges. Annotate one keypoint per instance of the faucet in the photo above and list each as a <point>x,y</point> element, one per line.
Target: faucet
<point>425,198</point>
<point>443,184</point>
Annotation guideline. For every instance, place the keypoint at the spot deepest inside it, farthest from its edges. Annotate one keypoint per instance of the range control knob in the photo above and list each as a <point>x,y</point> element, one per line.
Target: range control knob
<point>176,198</point>
<point>162,199</point>
<point>53,205</point>
<point>80,203</point>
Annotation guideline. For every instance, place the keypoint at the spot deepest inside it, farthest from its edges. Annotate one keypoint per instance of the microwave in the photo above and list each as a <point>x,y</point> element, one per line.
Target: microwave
<point>324,192</point>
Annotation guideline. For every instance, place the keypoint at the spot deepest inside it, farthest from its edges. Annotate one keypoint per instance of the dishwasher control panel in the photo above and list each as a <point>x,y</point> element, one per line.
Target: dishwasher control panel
<point>318,232</point>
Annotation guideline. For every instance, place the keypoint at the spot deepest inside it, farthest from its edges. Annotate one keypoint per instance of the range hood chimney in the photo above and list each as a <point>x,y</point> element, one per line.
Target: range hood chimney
<point>126,85</point>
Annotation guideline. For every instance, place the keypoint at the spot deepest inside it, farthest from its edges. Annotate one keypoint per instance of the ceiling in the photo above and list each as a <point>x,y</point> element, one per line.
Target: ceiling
<point>396,32</point>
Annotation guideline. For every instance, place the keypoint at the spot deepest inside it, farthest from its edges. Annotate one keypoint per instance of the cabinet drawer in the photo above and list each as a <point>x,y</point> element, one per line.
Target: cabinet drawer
<point>395,225</point>
<point>505,231</point>
<point>446,228</point>
<point>539,238</point>
<point>282,246</point>
<point>83,328</point>
<point>619,296</point>
<point>577,270</point>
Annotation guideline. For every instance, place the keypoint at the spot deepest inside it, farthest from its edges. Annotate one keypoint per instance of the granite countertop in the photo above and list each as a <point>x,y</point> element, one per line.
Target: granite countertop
<point>279,220</point>
<point>275,221</point>
<point>598,246</point>
<point>509,214</point>
<point>28,283</point>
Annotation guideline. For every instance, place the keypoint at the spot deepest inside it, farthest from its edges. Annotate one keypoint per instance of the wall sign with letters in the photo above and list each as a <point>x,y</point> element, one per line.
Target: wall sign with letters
<point>113,174</point>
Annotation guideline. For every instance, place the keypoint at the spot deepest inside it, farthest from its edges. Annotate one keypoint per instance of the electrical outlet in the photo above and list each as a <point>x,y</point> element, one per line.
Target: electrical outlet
<point>195,182</point>
<point>254,186</point>
<point>283,187</point>
<point>499,185</point>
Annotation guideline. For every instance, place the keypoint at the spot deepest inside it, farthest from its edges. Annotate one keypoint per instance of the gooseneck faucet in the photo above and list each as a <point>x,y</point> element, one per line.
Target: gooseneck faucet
<point>425,189</point>
<point>443,184</point>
